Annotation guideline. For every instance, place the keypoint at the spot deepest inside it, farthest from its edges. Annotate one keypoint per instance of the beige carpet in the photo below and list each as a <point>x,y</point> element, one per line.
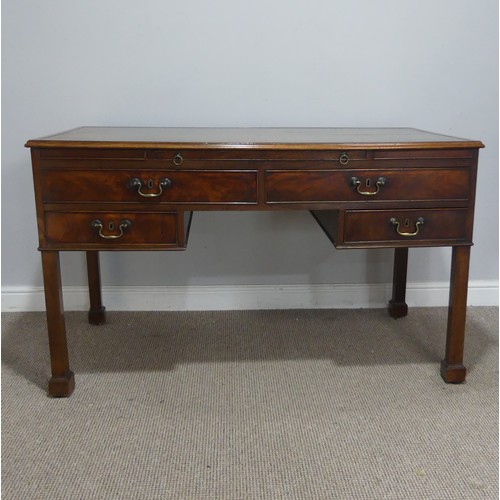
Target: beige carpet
<point>325,404</point>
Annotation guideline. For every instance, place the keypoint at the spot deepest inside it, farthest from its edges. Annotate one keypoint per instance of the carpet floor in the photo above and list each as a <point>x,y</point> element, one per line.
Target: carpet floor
<point>296,404</point>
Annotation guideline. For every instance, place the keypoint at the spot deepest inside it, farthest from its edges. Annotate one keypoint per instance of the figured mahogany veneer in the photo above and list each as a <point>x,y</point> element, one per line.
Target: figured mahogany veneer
<point>112,188</point>
<point>378,227</point>
<point>401,185</point>
<point>105,186</point>
<point>162,229</point>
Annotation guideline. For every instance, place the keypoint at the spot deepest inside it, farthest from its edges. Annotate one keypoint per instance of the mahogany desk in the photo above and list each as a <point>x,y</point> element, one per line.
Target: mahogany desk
<point>106,188</point>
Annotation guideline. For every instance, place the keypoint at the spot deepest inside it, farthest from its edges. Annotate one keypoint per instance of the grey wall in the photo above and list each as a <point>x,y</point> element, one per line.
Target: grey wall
<point>425,64</point>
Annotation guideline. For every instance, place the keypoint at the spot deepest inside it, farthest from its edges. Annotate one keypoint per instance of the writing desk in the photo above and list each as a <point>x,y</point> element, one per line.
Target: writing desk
<point>109,188</point>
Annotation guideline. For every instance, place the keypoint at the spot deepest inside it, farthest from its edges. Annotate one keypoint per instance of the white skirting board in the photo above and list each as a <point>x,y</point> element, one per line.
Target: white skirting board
<point>239,297</point>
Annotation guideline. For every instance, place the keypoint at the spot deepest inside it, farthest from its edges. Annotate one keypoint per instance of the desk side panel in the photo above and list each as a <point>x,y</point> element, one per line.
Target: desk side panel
<point>38,189</point>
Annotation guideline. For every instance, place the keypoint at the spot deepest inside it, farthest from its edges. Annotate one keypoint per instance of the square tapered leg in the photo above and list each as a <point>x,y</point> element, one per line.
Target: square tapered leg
<point>397,305</point>
<point>62,382</point>
<point>452,367</point>
<point>97,312</point>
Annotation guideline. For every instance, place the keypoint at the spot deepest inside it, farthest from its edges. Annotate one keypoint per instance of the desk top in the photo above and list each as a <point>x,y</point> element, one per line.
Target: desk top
<point>252,138</point>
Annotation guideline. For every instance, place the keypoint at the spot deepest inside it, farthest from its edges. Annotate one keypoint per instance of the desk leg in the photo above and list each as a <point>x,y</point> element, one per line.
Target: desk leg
<point>397,305</point>
<point>97,313</point>
<point>452,368</point>
<point>62,382</point>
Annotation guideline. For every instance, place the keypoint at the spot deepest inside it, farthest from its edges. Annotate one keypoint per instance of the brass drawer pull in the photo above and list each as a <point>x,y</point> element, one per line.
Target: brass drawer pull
<point>381,181</point>
<point>178,159</point>
<point>344,159</point>
<point>420,222</point>
<point>124,226</point>
<point>136,183</point>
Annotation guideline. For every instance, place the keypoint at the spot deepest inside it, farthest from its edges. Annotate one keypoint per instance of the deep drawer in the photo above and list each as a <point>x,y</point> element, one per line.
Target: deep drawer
<point>152,186</point>
<point>408,226</point>
<point>287,186</point>
<point>115,229</point>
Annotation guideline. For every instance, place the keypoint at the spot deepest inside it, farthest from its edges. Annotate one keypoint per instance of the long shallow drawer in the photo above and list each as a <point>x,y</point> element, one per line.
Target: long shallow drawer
<point>287,186</point>
<point>115,229</point>
<point>408,226</point>
<point>192,157</point>
<point>79,186</point>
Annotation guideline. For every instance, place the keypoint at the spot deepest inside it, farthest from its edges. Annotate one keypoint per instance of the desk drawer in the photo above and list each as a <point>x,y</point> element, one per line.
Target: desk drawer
<point>65,186</point>
<point>198,158</point>
<point>422,184</point>
<point>404,226</point>
<point>118,230</point>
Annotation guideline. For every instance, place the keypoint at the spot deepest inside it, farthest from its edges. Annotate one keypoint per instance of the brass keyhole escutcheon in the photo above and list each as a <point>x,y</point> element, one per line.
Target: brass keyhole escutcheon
<point>357,183</point>
<point>124,225</point>
<point>406,223</point>
<point>136,184</point>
